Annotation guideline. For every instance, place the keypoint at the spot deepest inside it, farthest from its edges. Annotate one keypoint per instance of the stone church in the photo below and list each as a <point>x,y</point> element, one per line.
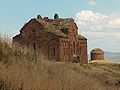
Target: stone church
<point>57,39</point>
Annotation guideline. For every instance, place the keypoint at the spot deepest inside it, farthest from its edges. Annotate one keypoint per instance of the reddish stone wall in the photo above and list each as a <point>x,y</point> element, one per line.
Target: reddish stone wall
<point>52,46</point>
<point>64,49</point>
<point>97,54</point>
<point>46,43</point>
<point>83,54</point>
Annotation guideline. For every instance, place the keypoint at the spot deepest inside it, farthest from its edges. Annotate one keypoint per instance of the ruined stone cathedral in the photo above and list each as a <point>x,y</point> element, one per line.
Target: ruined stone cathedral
<point>57,39</point>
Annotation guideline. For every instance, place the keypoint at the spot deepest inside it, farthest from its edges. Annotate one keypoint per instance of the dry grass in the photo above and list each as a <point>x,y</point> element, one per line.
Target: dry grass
<point>101,61</point>
<point>22,69</point>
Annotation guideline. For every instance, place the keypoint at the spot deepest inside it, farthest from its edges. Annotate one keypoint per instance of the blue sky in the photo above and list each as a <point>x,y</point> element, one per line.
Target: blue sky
<point>98,20</point>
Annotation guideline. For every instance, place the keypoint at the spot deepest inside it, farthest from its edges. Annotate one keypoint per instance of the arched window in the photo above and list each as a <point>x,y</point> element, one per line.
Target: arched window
<point>34,46</point>
<point>53,51</point>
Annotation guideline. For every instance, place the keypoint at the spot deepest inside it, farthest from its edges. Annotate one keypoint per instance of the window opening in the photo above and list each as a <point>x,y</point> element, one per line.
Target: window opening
<point>33,30</point>
<point>34,46</point>
<point>53,51</point>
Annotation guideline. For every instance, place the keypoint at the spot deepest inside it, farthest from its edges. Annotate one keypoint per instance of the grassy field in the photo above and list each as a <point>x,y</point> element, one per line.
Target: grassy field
<point>22,69</point>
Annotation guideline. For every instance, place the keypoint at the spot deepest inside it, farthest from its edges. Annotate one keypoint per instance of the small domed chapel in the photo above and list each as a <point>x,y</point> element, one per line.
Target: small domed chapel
<point>57,39</point>
<point>97,54</point>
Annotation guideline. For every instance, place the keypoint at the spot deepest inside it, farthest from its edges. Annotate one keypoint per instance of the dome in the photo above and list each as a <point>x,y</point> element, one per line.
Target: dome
<point>97,50</point>
<point>97,54</point>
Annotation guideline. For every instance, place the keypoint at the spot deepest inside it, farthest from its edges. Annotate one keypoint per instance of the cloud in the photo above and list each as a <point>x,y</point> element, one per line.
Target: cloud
<point>97,22</point>
<point>92,2</point>
<point>90,18</point>
<point>99,27</point>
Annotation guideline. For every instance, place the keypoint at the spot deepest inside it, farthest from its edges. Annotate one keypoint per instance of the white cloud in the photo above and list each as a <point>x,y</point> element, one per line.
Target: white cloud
<point>97,22</point>
<point>90,18</point>
<point>97,26</point>
<point>92,2</point>
<point>114,22</point>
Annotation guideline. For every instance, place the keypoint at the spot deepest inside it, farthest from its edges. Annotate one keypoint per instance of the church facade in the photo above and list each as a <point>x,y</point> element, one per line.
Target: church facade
<point>57,39</point>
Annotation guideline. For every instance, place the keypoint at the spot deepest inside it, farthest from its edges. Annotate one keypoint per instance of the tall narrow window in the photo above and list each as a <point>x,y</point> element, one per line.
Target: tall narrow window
<point>53,51</point>
<point>34,46</point>
<point>74,46</point>
<point>80,51</point>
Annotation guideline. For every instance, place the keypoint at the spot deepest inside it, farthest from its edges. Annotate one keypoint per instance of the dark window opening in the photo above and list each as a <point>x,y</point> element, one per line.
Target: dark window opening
<point>79,50</point>
<point>78,59</point>
<point>34,46</point>
<point>53,51</point>
<point>74,46</point>
<point>33,30</point>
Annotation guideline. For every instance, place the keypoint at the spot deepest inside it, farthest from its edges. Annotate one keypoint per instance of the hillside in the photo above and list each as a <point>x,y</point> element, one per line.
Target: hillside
<point>23,69</point>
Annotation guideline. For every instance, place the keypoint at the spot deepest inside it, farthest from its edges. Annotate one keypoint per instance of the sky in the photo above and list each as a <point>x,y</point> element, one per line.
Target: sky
<point>98,20</point>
